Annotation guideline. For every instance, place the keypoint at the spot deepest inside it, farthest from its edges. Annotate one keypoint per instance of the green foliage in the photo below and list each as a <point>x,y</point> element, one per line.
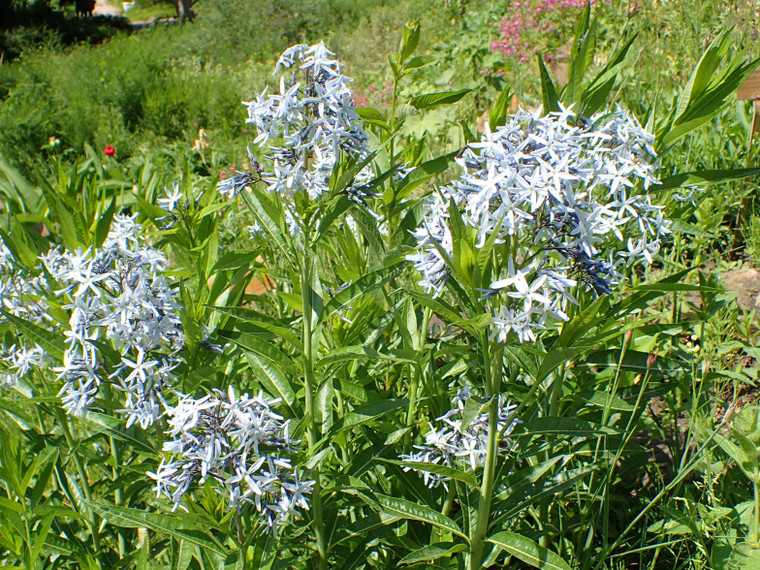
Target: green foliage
<point>637,445</point>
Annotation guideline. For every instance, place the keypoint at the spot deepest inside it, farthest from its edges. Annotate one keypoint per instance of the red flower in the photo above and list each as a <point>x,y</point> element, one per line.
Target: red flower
<point>109,150</point>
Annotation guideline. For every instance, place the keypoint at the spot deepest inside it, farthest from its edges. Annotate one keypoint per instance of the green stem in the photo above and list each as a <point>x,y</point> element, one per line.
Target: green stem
<point>492,369</point>
<point>314,427</point>
<point>118,493</point>
<point>414,389</point>
<point>450,494</point>
<point>756,522</point>
<point>85,483</point>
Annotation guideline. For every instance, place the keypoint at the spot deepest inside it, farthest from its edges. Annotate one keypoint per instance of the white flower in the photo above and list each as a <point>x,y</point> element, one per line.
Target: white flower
<point>117,295</point>
<point>171,198</point>
<point>240,443</point>
<point>458,445</point>
<point>557,189</point>
<point>304,126</point>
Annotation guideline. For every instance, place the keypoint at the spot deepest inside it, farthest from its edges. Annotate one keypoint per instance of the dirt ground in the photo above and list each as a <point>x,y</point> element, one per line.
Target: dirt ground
<point>105,8</point>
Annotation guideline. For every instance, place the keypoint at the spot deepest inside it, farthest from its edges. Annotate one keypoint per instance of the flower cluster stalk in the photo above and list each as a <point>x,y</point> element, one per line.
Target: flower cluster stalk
<point>313,431</point>
<point>91,518</point>
<point>492,369</point>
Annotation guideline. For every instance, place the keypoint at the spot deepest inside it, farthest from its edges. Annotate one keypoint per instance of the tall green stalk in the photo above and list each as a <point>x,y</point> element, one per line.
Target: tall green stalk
<point>492,370</point>
<point>93,522</point>
<point>313,430</point>
<point>756,516</point>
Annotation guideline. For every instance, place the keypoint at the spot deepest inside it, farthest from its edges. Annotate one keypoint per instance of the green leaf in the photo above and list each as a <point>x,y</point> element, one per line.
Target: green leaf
<point>211,208</point>
<point>746,459</point>
<point>20,247</point>
<point>11,505</point>
<point>182,555</point>
<point>433,552</point>
<point>409,40</point>
<point>103,224</point>
<point>115,428</point>
<point>464,256</point>
<point>372,116</point>
<point>19,189</point>
<point>497,114</point>
<point>265,349</point>
<point>42,530</point>
<point>51,343</point>
<point>234,260</point>
<point>443,311</point>
<point>706,104</point>
<point>687,228</point>
<point>636,362</point>
<point>430,100</point>
<point>596,92</point>
<point>419,61</point>
<point>265,212</point>
<point>668,287</point>
<point>424,172</point>
<point>42,480</point>
<point>556,357</point>
<point>409,510</point>
<point>571,427</point>
<point>173,525</point>
<point>332,212</point>
<point>443,470</point>
<point>581,57</point>
<point>473,407</point>
<point>703,177</point>
<point>548,89</point>
<point>528,551</point>
<point>370,411</point>
<point>272,379</point>
<point>467,134</point>
<point>357,352</point>
<point>149,210</point>
<point>531,493</point>
<point>262,321</point>
<point>703,72</point>
<point>363,286</point>
<point>346,169</point>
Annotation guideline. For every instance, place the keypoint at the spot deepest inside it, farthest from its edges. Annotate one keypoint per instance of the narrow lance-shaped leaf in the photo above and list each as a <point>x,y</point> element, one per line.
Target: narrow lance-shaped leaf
<point>497,114</point>
<point>703,177</point>
<point>273,380</point>
<point>596,92</point>
<point>413,511</point>
<point>528,551</point>
<point>430,100</point>
<point>261,211</point>
<point>443,470</point>
<point>115,428</point>
<point>51,343</point>
<point>433,552</point>
<point>262,348</point>
<point>361,287</point>
<point>548,89</point>
<point>424,172</point>
<point>703,72</point>
<point>261,321</point>
<point>163,524</point>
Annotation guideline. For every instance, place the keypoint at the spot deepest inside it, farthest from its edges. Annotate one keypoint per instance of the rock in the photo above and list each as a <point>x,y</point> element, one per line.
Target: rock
<point>746,284</point>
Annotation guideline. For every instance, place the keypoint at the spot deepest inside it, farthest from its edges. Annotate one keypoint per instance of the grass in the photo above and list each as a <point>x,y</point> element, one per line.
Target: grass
<point>149,13</point>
